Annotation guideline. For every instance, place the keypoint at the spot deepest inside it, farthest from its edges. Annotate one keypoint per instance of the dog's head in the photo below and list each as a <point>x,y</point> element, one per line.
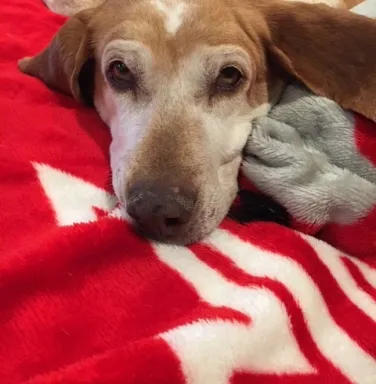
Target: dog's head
<point>179,81</point>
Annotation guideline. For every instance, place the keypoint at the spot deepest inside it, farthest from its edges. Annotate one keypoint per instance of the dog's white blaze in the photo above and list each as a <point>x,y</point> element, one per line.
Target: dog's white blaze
<point>127,130</point>
<point>173,13</point>
<point>127,123</point>
<point>175,18</point>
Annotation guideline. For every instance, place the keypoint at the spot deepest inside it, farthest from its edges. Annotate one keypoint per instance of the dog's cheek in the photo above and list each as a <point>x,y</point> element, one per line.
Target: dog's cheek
<point>228,180</point>
<point>219,196</point>
<point>228,173</point>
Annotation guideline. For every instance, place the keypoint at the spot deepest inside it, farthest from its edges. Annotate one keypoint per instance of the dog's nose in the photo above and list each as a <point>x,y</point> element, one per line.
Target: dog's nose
<point>160,211</point>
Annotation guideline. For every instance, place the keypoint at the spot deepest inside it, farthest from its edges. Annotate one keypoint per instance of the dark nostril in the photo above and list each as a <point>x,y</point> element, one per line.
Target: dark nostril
<point>172,221</point>
<point>175,220</point>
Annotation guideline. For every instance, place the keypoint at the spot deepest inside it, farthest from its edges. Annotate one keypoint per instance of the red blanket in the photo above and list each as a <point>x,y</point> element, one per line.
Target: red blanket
<point>84,300</point>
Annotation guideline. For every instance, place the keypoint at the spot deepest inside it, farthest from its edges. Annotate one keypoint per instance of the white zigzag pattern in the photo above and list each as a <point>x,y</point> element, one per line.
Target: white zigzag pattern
<point>353,361</point>
<point>331,257</point>
<point>210,351</point>
<point>71,197</point>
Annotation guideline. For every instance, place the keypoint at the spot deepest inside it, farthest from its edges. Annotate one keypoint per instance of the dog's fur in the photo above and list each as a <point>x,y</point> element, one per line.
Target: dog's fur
<point>174,127</point>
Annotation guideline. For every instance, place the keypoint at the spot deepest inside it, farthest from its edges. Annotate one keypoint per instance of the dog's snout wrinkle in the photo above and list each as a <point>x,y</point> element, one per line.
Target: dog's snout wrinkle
<point>160,211</point>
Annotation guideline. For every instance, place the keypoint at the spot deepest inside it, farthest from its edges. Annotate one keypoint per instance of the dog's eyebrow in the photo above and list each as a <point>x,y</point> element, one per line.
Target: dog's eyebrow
<point>173,12</point>
<point>135,52</point>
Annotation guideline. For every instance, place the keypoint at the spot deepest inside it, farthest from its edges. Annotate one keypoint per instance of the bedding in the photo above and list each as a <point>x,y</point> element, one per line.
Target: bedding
<point>83,299</point>
<point>319,162</point>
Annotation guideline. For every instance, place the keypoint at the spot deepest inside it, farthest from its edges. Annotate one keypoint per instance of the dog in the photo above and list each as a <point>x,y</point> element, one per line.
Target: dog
<point>178,82</point>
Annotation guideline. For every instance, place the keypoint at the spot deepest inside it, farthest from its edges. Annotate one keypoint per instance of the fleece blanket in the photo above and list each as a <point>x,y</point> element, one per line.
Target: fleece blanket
<point>318,161</point>
<point>83,299</point>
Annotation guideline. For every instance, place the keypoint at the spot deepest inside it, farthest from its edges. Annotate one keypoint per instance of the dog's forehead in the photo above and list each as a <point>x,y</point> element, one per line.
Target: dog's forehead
<point>170,28</point>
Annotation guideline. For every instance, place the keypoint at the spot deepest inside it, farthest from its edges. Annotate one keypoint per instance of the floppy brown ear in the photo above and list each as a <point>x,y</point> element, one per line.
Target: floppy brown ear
<point>332,51</point>
<point>59,64</point>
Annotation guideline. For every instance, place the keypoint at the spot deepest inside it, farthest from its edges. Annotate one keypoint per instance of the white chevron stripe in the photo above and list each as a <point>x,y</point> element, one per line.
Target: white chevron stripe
<point>368,272</point>
<point>210,351</point>
<point>71,197</point>
<point>333,342</point>
<point>331,257</point>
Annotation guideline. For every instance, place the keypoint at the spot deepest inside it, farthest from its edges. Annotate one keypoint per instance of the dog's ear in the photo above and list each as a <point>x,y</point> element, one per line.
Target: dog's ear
<point>332,51</point>
<point>60,64</point>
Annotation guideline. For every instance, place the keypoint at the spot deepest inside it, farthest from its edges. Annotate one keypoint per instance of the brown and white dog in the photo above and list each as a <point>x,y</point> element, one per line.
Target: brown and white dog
<point>178,82</point>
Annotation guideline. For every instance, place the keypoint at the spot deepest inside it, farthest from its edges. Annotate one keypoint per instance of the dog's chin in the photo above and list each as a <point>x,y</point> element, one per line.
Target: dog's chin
<point>185,238</point>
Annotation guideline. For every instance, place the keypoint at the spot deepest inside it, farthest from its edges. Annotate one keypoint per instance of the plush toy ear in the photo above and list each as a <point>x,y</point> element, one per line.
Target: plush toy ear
<point>332,51</point>
<point>60,64</point>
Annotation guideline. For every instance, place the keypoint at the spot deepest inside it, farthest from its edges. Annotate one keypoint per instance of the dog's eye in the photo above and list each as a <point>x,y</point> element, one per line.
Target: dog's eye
<point>120,73</point>
<point>229,78</point>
